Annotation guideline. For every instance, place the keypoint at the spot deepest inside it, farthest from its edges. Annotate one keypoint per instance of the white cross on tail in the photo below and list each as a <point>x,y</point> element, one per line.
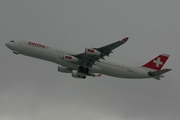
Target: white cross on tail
<point>158,62</point>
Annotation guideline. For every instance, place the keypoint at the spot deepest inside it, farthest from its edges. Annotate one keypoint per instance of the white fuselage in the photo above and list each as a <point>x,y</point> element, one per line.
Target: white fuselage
<point>56,56</point>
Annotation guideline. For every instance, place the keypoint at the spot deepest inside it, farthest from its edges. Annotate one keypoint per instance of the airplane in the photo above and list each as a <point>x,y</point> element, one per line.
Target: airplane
<point>91,62</point>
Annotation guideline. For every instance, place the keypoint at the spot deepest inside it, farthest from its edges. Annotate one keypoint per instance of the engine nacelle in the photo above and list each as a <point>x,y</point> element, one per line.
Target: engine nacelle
<point>76,74</point>
<point>91,51</point>
<point>64,69</point>
<point>70,58</point>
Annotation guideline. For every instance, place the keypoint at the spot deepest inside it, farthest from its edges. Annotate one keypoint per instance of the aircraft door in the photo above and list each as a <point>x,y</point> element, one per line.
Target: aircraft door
<point>51,50</point>
<point>20,43</point>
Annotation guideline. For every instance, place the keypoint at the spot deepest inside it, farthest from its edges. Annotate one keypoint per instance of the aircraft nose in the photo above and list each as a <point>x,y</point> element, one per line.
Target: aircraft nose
<point>7,44</point>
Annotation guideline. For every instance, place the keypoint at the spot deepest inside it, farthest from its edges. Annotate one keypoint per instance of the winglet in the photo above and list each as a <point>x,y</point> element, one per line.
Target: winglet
<point>125,39</point>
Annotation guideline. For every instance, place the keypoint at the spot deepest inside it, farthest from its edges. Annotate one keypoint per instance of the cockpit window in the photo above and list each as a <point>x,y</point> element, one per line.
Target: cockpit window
<point>12,41</point>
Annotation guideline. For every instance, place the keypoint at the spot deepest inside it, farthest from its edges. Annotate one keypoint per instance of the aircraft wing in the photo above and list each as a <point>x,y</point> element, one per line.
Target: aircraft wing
<point>88,60</point>
<point>106,50</point>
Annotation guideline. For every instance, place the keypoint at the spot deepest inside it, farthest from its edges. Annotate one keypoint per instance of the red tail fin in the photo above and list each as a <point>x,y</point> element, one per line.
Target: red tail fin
<point>157,63</point>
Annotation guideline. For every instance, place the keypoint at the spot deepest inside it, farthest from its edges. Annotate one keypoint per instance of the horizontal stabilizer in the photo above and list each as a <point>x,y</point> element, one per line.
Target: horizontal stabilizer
<point>158,73</point>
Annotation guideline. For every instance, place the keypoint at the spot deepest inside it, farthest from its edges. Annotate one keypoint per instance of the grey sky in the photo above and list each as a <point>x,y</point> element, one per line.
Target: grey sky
<point>33,89</point>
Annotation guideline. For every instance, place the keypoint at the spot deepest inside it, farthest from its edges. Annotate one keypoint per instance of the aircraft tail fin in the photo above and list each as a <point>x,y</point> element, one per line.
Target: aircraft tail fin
<point>157,63</point>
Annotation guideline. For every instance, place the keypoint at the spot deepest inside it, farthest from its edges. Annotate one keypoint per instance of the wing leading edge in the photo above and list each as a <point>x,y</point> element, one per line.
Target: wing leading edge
<point>87,60</point>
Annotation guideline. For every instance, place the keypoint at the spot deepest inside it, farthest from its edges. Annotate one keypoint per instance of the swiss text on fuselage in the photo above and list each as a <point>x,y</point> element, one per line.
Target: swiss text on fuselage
<point>36,44</point>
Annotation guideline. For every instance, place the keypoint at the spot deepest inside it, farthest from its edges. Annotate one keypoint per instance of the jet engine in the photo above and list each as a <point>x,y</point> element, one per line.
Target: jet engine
<point>76,74</point>
<point>91,51</point>
<point>64,69</point>
<point>70,58</point>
